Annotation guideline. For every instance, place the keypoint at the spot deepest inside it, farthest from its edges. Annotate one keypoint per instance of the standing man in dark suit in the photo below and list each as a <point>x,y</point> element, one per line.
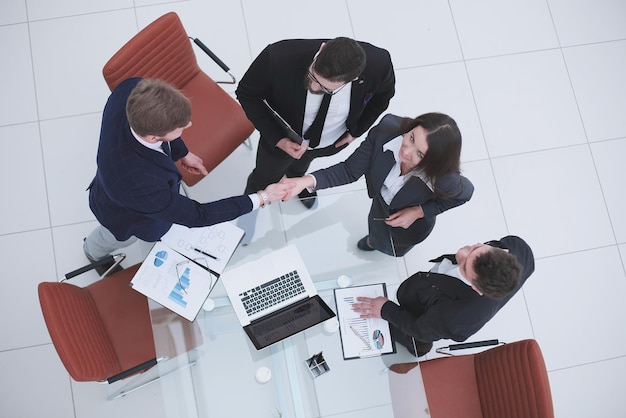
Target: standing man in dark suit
<point>135,192</point>
<point>459,295</point>
<point>329,91</point>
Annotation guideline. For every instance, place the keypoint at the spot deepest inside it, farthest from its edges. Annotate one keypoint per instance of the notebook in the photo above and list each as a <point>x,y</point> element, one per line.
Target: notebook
<point>291,134</point>
<point>274,297</point>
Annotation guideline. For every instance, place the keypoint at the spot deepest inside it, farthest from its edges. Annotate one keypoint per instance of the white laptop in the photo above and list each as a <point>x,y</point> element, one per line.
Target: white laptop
<point>274,297</point>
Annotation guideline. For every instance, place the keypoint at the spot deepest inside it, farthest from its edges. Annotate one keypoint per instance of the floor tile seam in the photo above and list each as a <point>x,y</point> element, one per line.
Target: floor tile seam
<point>586,363</point>
<point>8,234</point>
<point>26,347</point>
<point>73,15</point>
<point>585,250</point>
<point>537,151</point>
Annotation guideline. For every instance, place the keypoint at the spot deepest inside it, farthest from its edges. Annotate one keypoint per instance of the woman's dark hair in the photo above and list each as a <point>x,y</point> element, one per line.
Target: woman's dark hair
<point>341,59</point>
<point>444,144</point>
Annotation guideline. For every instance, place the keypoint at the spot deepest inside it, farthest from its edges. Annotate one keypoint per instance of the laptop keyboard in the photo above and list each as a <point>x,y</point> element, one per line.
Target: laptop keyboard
<point>272,293</point>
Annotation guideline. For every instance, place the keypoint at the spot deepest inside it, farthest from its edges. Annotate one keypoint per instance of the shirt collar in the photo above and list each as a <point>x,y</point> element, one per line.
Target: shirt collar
<point>152,145</point>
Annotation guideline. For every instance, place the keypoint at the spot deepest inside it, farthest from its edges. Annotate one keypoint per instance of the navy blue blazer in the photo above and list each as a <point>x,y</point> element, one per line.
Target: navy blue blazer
<point>136,190</point>
<point>371,160</point>
<point>435,306</point>
<point>279,73</point>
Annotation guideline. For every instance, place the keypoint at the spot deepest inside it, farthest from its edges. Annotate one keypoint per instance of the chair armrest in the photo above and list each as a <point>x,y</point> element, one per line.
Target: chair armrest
<point>465,346</point>
<point>133,370</point>
<point>215,58</point>
<point>116,259</point>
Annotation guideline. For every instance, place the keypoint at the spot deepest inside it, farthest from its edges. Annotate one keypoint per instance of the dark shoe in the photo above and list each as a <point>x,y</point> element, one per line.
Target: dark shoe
<point>307,198</point>
<point>422,348</point>
<point>363,245</point>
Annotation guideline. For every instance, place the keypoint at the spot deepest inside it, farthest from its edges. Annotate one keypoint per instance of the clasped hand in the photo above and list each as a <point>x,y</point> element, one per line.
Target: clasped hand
<point>193,164</point>
<point>294,149</point>
<point>296,185</point>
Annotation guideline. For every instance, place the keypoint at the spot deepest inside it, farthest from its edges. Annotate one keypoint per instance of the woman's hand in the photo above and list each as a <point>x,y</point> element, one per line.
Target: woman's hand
<point>368,307</point>
<point>277,191</point>
<point>297,184</point>
<point>404,218</point>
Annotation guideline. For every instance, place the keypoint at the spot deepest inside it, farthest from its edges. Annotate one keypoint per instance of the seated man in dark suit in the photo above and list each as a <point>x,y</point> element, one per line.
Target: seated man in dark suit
<point>457,297</point>
<point>135,192</point>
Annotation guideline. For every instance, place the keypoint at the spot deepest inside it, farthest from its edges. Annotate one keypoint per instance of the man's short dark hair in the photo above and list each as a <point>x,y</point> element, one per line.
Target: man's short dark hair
<point>155,107</point>
<point>341,59</point>
<point>498,273</point>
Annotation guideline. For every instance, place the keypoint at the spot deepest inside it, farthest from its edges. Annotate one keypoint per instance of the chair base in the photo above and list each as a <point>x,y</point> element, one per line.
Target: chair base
<point>156,373</point>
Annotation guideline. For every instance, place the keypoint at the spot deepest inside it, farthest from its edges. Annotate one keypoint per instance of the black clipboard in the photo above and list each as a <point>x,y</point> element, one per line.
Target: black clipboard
<point>291,134</point>
<point>374,335</point>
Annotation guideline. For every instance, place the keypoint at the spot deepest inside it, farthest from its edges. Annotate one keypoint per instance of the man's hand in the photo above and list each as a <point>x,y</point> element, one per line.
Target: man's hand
<point>278,191</point>
<point>368,307</point>
<point>297,184</point>
<point>193,164</point>
<point>404,218</point>
<point>345,140</point>
<point>294,149</point>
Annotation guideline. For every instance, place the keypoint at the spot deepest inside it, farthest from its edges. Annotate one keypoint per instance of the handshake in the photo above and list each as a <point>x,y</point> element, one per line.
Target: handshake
<point>287,188</point>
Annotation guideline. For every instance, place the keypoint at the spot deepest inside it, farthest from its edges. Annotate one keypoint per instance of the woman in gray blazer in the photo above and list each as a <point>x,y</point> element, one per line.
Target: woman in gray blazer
<point>411,169</point>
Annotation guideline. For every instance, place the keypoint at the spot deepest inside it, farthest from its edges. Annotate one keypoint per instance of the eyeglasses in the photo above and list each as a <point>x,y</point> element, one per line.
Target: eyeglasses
<point>322,87</point>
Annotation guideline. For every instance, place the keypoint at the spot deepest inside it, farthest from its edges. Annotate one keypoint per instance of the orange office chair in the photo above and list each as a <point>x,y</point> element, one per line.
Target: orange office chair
<point>103,331</point>
<point>162,50</point>
<point>507,381</point>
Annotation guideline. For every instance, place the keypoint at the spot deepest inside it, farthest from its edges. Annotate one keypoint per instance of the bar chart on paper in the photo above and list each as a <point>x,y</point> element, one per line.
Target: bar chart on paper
<point>180,289</point>
<point>174,281</point>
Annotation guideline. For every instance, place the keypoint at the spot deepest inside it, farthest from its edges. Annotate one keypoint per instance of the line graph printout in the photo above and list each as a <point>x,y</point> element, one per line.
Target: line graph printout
<point>362,337</point>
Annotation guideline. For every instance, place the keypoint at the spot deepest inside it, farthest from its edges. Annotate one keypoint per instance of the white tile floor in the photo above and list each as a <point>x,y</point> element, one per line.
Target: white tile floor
<point>537,87</point>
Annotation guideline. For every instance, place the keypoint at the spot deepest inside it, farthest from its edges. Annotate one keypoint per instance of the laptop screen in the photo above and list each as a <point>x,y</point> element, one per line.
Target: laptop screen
<point>288,321</point>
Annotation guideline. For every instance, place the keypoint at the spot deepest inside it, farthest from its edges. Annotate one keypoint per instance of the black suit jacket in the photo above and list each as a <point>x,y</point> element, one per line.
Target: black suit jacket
<point>278,75</point>
<point>435,306</point>
<point>371,160</point>
<point>136,189</point>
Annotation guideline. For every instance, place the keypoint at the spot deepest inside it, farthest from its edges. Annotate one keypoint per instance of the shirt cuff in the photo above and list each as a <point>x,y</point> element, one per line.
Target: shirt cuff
<point>312,189</point>
<point>255,201</point>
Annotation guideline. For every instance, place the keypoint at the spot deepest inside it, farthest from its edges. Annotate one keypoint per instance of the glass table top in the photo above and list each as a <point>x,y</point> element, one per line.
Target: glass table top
<point>225,376</point>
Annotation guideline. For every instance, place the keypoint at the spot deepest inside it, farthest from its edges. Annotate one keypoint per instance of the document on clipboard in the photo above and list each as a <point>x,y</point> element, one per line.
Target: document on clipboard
<point>362,337</point>
<point>291,134</point>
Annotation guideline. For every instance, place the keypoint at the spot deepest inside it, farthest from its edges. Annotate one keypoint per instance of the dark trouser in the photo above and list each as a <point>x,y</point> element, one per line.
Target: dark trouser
<point>271,166</point>
<point>417,348</point>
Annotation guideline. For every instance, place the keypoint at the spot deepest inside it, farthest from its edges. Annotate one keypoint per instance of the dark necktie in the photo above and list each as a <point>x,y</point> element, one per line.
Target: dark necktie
<point>165,146</point>
<point>439,259</point>
<point>314,133</point>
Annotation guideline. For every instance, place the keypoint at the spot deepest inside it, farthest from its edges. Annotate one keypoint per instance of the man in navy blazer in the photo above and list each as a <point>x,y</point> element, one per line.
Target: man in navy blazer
<point>135,192</point>
<point>293,76</point>
<point>456,298</point>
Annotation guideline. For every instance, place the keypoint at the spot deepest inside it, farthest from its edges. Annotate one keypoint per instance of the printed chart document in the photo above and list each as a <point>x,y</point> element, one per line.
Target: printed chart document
<point>213,244</point>
<point>362,337</point>
<point>181,270</point>
<point>174,281</point>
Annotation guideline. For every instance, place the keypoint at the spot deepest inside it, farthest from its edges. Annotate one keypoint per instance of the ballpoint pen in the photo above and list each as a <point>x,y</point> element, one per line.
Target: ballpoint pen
<point>205,253</point>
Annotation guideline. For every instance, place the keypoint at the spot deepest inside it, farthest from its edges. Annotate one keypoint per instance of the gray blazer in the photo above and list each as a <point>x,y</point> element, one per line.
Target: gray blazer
<point>370,160</point>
